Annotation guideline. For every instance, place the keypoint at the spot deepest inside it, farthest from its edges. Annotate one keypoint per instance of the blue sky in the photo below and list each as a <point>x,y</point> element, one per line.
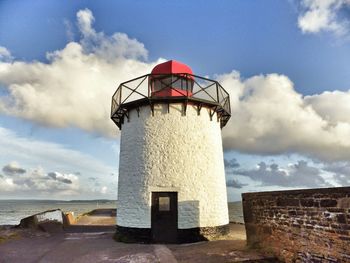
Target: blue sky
<point>285,64</point>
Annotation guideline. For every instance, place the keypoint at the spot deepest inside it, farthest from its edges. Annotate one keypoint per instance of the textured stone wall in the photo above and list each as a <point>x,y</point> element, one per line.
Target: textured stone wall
<point>172,151</point>
<point>310,225</point>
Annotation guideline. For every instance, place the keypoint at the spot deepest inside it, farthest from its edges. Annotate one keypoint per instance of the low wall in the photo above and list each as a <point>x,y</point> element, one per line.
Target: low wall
<point>310,225</point>
<point>48,221</point>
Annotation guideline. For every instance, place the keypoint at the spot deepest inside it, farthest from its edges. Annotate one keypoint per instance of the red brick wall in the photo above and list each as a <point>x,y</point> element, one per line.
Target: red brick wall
<point>310,225</point>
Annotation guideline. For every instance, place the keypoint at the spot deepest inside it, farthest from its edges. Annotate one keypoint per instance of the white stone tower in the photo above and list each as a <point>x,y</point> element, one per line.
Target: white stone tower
<point>171,172</point>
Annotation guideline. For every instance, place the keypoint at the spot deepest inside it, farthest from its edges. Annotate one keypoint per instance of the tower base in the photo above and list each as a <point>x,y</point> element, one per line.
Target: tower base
<point>189,235</point>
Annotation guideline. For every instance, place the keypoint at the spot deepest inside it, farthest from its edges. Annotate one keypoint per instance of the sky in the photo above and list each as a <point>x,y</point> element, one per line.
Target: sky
<point>285,64</point>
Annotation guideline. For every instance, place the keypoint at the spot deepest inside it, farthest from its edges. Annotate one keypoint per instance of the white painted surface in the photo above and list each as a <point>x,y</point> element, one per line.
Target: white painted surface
<point>55,215</point>
<point>172,152</point>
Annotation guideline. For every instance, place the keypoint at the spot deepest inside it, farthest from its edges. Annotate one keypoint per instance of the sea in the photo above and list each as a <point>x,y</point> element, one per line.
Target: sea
<point>12,211</point>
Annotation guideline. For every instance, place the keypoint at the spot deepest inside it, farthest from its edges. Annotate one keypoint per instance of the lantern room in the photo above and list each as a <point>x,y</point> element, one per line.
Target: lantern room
<point>171,79</point>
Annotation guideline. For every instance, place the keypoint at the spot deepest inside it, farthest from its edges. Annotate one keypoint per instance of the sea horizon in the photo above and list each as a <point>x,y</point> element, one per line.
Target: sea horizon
<point>13,210</point>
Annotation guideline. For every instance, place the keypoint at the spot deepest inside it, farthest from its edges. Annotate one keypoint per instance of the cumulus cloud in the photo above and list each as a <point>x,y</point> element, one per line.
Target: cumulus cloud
<point>333,106</point>
<point>234,183</point>
<point>104,189</point>
<point>342,179</point>
<point>13,169</point>
<point>85,20</point>
<point>340,171</point>
<point>323,15</point>
<point>75,87</point>
<point>36,182</point>
<point>64,178</point>
<point>5,54</point>
<point>296,175</point>
<point>61,164</point>
<point>69,29</point>
<point>54,155</point>
<point>109,48</point>
<point>269,117</point>
<point>231,164</point>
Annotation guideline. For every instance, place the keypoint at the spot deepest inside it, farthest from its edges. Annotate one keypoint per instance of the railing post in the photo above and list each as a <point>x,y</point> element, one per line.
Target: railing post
<point>186,79</point>
<point>112,107</point>
<point>217,92</point>
<point>120,95</point>
<point>148,86</point>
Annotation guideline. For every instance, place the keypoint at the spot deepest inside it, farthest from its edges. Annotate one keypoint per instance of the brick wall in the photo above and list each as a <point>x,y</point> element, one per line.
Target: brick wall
<point>310,225</point>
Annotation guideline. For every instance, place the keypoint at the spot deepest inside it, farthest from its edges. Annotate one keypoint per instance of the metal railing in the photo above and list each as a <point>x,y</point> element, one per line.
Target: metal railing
<point>183,87</point>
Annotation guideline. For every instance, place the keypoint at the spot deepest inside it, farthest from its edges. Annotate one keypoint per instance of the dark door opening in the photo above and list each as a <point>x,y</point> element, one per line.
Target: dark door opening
<point>164,217</point>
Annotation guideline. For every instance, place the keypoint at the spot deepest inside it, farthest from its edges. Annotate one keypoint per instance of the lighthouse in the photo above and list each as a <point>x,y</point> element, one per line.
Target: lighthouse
<point>171,186</point>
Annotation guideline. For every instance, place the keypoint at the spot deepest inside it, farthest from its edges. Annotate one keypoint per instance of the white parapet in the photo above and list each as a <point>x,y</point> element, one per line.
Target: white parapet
<point>172,151</point>
<point>49,216</point>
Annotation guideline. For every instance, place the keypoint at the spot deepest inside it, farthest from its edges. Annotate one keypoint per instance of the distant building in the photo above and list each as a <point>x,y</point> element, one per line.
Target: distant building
<point>171,170</point>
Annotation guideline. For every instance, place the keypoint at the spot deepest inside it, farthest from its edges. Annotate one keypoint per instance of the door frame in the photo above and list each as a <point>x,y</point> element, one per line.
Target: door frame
<point>173,195</point>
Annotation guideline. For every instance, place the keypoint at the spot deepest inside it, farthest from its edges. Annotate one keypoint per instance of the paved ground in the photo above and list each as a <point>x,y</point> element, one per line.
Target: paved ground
<point>90,243</point>
<point>100,247</point>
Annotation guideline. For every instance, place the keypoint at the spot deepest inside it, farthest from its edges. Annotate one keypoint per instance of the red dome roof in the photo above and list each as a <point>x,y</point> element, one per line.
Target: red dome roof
<point>171,67</point>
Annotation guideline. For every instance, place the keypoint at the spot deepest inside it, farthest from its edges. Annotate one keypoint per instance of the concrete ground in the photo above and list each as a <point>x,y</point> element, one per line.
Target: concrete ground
<point>94,243</point>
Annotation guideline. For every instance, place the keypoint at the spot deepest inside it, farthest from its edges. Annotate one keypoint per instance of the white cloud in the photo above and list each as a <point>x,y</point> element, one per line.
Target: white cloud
<point>299,174</point>
<point>340,171</point>
<point>7,185</point>
<point>13,168</point>
<point>85,21</point>
<point>37,183</point>
<point>323,15</point>
<point>69,29</point>
<point>52,155</point>
<point>234,184</point>
<point>109,48</point>
<point>51,167</point>
<point>333,106</point>
<point>104,190</point>
<point>75,87</point>
<point>270,117</point>
<point>5,54</point>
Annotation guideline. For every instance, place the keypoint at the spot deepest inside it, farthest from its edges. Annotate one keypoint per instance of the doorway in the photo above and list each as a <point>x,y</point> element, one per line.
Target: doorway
<point>164,217</point>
